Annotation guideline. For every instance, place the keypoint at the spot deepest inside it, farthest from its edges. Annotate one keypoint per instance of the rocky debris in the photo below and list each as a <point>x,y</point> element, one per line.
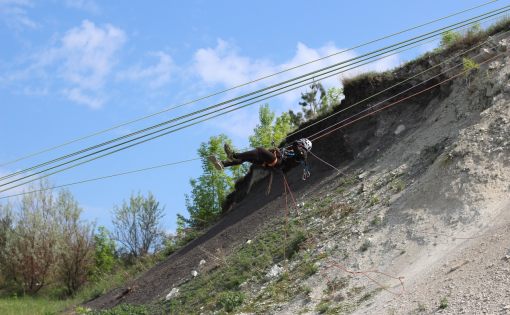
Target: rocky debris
<point>194,273</point>
<point>401,128</point>
<point>275,272</point>
<point>173,293</point>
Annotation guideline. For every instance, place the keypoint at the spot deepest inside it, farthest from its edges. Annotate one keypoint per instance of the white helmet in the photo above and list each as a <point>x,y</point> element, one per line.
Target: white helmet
<point>305,143</point>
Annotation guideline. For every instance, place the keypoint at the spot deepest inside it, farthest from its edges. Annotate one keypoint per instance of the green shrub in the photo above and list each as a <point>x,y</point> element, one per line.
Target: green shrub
<point>365,246</point>
<point>229,300</point>
<point>308,268</point>
<point>104,252</point>
<point>295,243</point>
<point>469,65</point>
<point>448,38</point>
<point>322,307</point>
<point>443,303</point>
<point>124,309</point>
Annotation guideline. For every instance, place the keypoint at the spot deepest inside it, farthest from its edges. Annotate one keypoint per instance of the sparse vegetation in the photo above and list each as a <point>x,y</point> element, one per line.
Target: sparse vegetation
<point>469,65</point>
<point>365,246</point>
<point>229,300</point>
<point>421,308</point>
<point>250,262</point>
<point>322,307</point>
<point>336,284</point>
<point>397,185</point>
<point>443,303</point>
<point>448,38</point>
<point>374,199</point>
<point>124,309</point>
<point>308,269</point>
<point>376,221</point>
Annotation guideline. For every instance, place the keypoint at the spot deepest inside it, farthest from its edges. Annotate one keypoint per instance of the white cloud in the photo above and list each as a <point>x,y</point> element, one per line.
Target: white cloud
<point>224,65</point>
<point>14,14</point>
<point>156,75</point>
<point>83,58</point>
<point>77,96</point>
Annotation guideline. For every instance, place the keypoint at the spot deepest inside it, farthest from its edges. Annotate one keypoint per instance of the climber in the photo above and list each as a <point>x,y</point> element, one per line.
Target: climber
<point>275,158</point>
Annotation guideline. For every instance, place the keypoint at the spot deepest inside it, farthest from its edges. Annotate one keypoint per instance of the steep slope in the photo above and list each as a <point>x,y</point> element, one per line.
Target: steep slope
<point>425,188</point>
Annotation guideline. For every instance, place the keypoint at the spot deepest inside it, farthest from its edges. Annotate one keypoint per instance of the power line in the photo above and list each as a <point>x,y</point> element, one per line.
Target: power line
<point>154,137</point>
<point>343,126</point>
<point>238,86</point>
<point>103,177</point>
<point>317,73</point>
<point>146,140</point>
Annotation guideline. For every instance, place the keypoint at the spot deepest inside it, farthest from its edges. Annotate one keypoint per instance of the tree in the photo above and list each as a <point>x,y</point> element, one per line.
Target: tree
<point>316,102</point>
<point>32,246</point>
<point>5,232</point>
<point>137,225</point>
<point>209,190</point>
<point>266,132</point>
<point>333,98</point>
<point>309,101</point>
<point>296,119</point>
<point>76,250</point>
<point>104,252</point>
<point>449,37</point>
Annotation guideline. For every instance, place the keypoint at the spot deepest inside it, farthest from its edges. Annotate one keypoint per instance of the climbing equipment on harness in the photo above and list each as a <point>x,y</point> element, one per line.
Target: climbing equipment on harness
<point>306,174</point>
<point>305,143</point>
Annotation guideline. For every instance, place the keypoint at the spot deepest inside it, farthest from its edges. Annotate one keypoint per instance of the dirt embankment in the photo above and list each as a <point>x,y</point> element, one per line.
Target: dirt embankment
<point>449,148</point>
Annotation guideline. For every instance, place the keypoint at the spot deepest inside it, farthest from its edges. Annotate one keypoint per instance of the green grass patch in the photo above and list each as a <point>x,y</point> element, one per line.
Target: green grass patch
<point>32,306</point>
<point>127,309</point>
<point>322,307</point>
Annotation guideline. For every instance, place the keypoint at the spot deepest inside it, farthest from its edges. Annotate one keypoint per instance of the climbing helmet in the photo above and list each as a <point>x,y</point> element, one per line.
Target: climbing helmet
<point>305,143</point>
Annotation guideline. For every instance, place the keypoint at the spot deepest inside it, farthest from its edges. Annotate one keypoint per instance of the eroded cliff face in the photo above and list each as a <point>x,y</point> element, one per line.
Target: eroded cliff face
<point>421,200</point>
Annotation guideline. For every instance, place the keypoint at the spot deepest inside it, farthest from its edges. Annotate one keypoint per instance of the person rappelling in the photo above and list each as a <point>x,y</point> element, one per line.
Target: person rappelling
<point>273,158</point>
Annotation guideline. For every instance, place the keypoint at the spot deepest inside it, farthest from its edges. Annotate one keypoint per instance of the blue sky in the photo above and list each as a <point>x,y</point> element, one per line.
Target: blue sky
<point>69,68</point>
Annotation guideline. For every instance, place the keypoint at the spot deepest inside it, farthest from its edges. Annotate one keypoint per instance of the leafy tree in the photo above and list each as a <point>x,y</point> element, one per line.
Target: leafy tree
<point>31,248</point>
<point>311,105</point>
<point>269,131</point>
<point>104,252</point>
<point>263,132</point>
<point>449,37</point>
<point>296,119</point>
<point>333,98</point>
<point>317,101</point>
<point>5,232</point>
<point>209,190</point>
<point>76,247</point>
<point>137,225</point>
